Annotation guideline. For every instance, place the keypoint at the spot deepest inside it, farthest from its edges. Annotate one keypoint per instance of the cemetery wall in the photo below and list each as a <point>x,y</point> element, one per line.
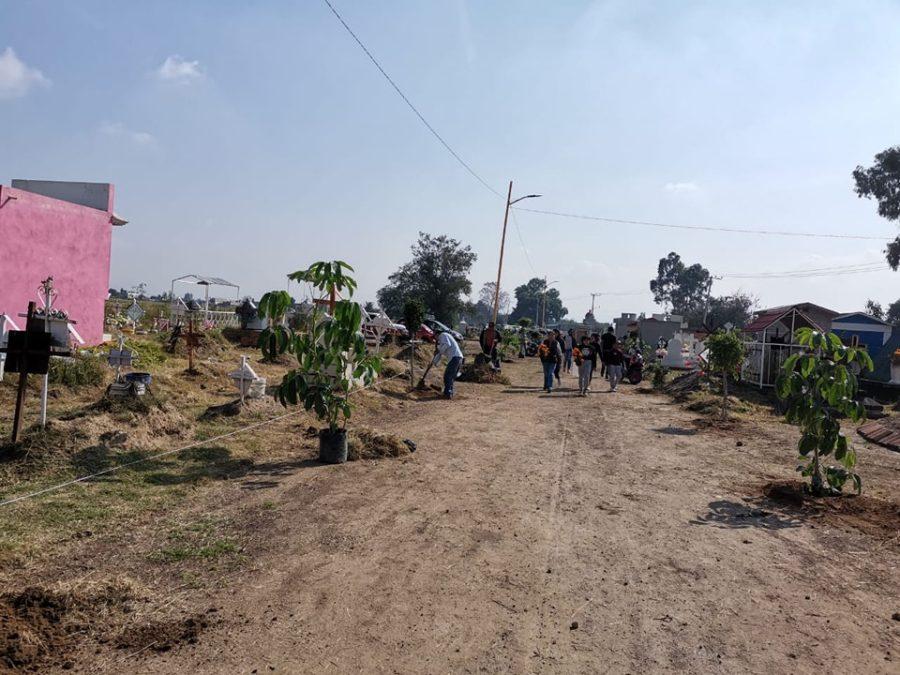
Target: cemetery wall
<point>41,237</point>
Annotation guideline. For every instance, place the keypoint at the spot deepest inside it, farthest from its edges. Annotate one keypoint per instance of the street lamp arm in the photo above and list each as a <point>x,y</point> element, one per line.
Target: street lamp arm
<point>525,197</point>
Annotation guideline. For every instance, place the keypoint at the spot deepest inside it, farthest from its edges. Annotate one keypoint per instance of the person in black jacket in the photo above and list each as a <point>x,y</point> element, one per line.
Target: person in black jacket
<point>586,359</point>
<point>607,342</point>
<point>615,366</point>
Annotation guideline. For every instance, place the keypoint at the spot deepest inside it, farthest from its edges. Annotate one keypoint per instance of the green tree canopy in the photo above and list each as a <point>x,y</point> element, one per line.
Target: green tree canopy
<point>874,309</point>
<point>893,313</point>
<point>736,310</point>
<point>529,298</point>
<point>678,286</point>
<point>437,276</point>
<point>881,182</point>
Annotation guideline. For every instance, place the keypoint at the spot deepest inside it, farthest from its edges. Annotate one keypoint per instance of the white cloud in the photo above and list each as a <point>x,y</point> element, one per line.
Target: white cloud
<point>678,188</point>
<point>16,78</point>
<point>176,69</point>
<point>119,130</point>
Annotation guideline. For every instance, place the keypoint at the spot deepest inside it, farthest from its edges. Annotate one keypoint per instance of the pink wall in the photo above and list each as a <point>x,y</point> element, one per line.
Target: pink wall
<point>41,237</point>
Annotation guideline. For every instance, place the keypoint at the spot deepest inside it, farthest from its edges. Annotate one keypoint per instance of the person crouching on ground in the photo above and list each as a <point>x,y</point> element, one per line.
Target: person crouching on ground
<point>447,347</point>
<point>586,359</point>
<point>615,365</point>
<point>551,356</point>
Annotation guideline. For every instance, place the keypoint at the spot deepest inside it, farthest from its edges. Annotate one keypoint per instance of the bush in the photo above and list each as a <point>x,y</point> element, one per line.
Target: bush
<point>84,370</point>
<point>658,372</point>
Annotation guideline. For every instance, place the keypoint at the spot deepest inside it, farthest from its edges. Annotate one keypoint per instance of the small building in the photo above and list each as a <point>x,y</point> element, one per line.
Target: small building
<point>770,340</point>
<point>625,324</point>
<point>887,360</point>
<point>61,230</point>
<point>858,329</point>
<point>660,326</point>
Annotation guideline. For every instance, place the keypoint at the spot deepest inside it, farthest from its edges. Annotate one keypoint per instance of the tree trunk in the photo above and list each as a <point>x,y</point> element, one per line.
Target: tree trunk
<point>817,476</point>
<point>724,395</point>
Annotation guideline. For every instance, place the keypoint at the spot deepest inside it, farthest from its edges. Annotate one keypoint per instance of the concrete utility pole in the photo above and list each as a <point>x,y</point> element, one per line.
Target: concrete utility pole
<point>509,202</point>
<point>594,296</point>
<point>708,292</point>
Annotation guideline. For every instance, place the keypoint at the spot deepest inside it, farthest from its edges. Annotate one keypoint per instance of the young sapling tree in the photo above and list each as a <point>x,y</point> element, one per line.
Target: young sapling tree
<point>820,386</point>
<point>331,357</point>
<point>726,354</point>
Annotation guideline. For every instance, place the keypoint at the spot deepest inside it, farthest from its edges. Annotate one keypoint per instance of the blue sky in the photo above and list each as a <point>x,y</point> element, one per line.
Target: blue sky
<point>248,139</point>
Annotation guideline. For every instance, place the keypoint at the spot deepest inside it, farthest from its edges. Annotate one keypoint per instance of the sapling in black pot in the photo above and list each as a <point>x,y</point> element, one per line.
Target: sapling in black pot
<point>331,357</point>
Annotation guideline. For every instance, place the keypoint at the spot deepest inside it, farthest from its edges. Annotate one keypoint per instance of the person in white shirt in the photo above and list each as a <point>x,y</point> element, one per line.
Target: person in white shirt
<point>447,347</point>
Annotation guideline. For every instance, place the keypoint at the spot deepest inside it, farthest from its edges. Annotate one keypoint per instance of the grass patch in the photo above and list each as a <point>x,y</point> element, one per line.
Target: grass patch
<point>84,370</point>
<point>200,540</point>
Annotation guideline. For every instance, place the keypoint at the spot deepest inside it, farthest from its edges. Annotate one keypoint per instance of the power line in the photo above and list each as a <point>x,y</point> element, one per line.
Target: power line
<point>739,230</point>
<point>522,241</point>
<point>802,274</point>
<point>421,117</point>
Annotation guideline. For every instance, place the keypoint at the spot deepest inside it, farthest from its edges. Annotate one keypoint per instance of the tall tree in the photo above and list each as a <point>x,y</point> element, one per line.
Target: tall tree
<point>881,182</point>
<point>736,310</point>
<point>437,276</point>
<point>529,299</point>
<point>892,315</point>
<point>678,286</point>
<point>875,309</point>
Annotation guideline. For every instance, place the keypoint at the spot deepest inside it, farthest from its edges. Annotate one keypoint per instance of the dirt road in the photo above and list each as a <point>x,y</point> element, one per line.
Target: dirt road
<point>535,533</point>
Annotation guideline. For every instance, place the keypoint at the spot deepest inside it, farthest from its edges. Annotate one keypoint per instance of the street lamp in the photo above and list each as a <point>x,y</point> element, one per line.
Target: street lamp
<point>542,305</point>
<point>509,202</point>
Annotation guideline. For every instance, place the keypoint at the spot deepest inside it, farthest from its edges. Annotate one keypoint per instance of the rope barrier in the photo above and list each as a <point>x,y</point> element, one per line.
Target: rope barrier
<point>151,458</point>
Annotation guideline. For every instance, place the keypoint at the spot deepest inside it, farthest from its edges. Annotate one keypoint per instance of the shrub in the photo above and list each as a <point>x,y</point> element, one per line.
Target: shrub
<point>84,370</point>
<point>413,315</point>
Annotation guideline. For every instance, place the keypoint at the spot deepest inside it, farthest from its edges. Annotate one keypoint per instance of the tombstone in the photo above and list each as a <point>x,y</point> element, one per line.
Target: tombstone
<point>248,383</point>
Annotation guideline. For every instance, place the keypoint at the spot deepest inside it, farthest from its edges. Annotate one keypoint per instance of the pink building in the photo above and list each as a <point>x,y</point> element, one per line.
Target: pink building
<point>61,230</point>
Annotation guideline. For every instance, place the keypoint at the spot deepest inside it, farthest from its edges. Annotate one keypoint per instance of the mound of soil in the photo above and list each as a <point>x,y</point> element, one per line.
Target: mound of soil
<point>38,626</point>
<point>368,444</point>
<point>875,517</point>
<point>394,367</point>
<point>481,373</point>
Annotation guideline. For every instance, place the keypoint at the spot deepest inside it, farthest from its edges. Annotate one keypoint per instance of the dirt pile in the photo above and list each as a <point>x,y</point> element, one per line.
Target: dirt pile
<point>41,628</point>
<point>481,373</point>
<point>876,517</point>
<point>393,367</point>
<point>368,444</point>
<point>38,626</point>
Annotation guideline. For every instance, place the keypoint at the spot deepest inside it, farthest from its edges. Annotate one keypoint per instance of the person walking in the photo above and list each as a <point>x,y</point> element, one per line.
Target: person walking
<point>551,356</point>
<point>559,341</point>
<point>568,348</point>
<point>595,343</point>
<point>607,342</point>
<point>586,358</point>
<point>448,348</point>
<point>614,366</point>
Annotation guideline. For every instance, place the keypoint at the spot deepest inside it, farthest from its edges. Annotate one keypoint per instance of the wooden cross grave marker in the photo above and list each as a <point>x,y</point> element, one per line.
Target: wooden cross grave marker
<point>27,352</point>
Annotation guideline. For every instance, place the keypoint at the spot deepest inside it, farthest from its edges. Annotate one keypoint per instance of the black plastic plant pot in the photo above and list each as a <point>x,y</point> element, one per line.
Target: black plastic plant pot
<point>333,446</point>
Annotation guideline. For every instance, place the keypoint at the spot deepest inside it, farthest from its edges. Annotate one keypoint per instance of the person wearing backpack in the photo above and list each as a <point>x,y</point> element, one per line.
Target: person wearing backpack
<point>551,356</point>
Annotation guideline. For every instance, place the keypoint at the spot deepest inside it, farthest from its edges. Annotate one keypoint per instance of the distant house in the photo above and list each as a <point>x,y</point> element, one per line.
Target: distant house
<point>61,230</point>
<point>769,338</point>
<point>658,326</point>
<point>820,316</point>
<point>863,330</point>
